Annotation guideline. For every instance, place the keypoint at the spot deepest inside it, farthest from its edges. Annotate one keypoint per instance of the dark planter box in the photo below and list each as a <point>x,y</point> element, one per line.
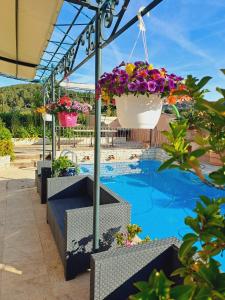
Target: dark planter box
<point>70,216</point>
<point>114,272</point>
<point>41,164</point>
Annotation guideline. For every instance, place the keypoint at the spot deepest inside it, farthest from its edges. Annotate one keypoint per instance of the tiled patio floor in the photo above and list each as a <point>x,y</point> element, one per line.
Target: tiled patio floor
<point>30,267</point>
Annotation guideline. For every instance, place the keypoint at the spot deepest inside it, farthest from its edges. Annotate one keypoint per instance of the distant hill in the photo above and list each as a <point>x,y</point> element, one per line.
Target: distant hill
<point>20,96</point>
<point>28,96</point>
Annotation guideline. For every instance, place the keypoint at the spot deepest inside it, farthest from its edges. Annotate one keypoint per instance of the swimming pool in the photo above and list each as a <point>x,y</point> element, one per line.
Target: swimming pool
<point>160,200</point>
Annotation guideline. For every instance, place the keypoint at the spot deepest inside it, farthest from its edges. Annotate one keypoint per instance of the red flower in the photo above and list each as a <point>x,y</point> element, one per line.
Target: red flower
<point>65,100</point>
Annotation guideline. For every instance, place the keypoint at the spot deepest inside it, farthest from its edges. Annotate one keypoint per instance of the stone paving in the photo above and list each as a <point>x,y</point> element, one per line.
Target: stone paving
<point>30,267</point>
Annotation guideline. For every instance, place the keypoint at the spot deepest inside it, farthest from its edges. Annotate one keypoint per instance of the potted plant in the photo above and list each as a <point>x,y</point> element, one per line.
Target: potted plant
<point>138,91</point>
<point>63,166</point>
<point>46,116</point>
<point>67,110</point>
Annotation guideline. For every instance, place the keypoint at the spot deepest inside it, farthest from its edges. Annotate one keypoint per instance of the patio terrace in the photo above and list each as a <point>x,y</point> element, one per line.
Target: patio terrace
<point>30,267</point>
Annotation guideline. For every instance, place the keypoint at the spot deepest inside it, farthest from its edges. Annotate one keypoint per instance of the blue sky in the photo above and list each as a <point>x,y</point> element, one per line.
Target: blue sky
<point>184,36</point>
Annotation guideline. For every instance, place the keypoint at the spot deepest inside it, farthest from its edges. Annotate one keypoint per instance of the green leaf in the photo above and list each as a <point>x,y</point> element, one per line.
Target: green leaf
<point>205,200</point>
<point>203,82</point>
<point>141,285</point>
<point>185,248</point>
<point>166,164</point>
<point>198,152</point>
<point>183,292</point>
<point>190,237</point>
<point>203,293</point>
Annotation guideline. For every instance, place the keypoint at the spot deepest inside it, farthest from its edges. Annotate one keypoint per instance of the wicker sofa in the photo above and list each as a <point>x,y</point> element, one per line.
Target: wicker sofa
<point>70,216</point>
<point>114,272</point>
<point>41,164</point>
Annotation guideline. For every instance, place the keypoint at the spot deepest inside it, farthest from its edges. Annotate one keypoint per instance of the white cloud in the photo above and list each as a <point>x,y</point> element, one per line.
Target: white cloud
<point>174,33</point>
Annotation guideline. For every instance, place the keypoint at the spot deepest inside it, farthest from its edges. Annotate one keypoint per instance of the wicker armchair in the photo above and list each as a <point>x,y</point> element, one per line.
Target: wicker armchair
<point>70,216</point>
<point>114,272</point>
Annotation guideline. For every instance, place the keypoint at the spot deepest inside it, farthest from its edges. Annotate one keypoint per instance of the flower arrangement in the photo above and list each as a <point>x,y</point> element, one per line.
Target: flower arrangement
<point>66,104</point>
<point>130,237</point>
<point>140,78</point>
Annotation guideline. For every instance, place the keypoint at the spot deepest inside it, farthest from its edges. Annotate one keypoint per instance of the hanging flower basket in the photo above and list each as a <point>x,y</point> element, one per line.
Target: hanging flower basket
<point>47,117</point>
<point>66,109</point>
<point>139,112</point>
<point>139,91</point>
<point>67,119</point>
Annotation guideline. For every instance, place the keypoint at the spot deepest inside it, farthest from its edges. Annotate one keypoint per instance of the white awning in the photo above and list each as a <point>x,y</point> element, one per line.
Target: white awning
<point>78,86</point>
<point>25,28</point>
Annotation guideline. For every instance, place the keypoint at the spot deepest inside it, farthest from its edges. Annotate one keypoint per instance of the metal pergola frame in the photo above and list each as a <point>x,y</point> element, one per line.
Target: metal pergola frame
<point>105,15</point>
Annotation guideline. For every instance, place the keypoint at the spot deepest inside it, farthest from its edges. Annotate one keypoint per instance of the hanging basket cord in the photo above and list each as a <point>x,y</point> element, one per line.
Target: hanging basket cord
<point>142,32</point>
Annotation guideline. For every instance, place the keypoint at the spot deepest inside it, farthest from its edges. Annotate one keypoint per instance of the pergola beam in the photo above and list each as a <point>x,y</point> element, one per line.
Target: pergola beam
<point>84,3</point>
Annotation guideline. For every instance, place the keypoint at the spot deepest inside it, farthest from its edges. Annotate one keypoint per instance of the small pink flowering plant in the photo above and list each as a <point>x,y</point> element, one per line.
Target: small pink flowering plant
<point>140,78</point>
<point>66,104</point>
<point>130,237</point>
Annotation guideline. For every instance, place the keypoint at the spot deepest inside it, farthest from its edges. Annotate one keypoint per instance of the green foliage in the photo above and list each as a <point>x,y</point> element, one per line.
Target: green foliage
<point>21,132</point>
<point>5,133</point>
<point>7,148</point>
<point>21,96</point>
<point>61,165</point>
<point>127,238</point>
<point>160,288</point>
<point>16,120</point>
<point>202,278</point>
<point>209,120</point>
<point>200,272</point>
<point>6,144</point>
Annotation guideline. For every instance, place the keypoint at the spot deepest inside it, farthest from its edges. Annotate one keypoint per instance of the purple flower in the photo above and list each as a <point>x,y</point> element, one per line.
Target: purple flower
<point>124,78</point>
<point>132,87</point>
<point>143,87</point>
<point>86,108</point>
<point>171,84</point>
<point>139,63</point>
<point>152,86</point>
<point>120,90</point>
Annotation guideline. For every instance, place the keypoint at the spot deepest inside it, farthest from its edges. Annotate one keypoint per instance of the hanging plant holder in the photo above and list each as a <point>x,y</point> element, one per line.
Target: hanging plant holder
<point>141,112</point>
<point>67,119</point>
<point>47,117</point>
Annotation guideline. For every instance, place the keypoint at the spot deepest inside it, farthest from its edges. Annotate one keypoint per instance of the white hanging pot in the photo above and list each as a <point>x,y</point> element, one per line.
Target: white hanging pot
<point>47,117</point>
<point>139,111</point>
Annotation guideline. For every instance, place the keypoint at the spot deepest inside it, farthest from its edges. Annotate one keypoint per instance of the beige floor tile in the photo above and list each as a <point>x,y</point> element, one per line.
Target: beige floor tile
<point>27,246</point>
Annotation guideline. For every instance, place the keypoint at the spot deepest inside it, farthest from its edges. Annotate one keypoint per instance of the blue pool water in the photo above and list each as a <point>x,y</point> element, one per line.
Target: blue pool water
<point>160,200</point>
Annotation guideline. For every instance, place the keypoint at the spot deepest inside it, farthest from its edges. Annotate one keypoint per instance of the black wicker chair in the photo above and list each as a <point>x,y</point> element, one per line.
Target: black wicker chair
<point>114,272</point>
<point>70,216</point>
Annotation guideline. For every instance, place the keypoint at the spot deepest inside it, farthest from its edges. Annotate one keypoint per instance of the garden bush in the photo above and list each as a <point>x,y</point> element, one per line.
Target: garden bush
<point>21,132</point>
<point>5,133</point>
<point>6,144</point>
<point>7,148</point>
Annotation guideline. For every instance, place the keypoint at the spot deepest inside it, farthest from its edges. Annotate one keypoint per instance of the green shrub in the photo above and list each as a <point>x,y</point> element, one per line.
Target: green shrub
<point>7,148</point>
<point>6,144</point>
<point>21,132</point>
<point>5,133</point>
<point>33,131</point>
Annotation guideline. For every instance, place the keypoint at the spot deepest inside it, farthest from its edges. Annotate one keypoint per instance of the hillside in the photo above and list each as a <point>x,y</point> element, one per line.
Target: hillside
<point>28,96</point>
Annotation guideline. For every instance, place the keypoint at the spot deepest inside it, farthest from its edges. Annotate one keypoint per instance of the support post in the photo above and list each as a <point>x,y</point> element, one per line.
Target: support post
<point>97,133</point>
<point>44,126</point>
<point>53,116</point>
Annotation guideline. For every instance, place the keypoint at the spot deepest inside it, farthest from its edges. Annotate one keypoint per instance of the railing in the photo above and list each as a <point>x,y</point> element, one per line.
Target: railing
<point>83,136</point>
